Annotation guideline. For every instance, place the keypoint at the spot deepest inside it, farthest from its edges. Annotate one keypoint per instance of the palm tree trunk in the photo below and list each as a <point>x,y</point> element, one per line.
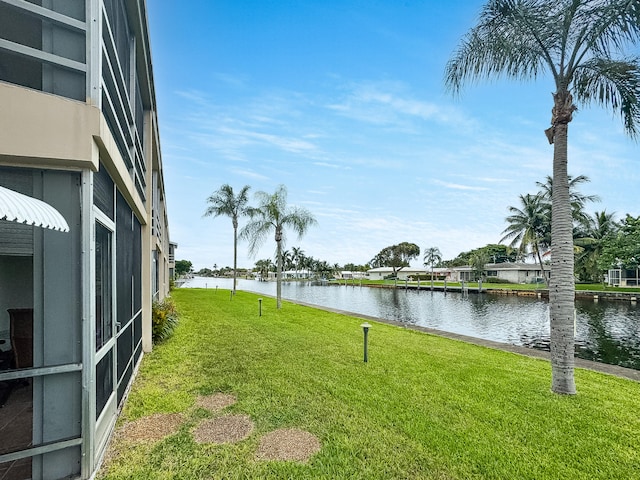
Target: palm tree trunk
<point>544,275</point>
<point>235,257</point>
<point>432,276</point>
<point>278,274</point>
<point>561,285</point>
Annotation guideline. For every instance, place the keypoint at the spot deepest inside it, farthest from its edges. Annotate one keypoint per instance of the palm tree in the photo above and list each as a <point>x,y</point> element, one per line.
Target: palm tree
<point>577,199</point>
<point>592,236</point>
<point>297,257</point>
<point>274,215</point>
<point>528,228</point>
<point>576,42</point>
<point>432,256</point>
<point>225,202</point>
<point>310,264</point>
<point>263,267</point>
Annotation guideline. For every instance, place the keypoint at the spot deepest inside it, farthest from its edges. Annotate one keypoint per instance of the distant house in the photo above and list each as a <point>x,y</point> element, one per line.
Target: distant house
<point>620,277</point>
<point>407,273</point>
<point>286,274</point>
<point>509,272</point>
<point>349,275</point>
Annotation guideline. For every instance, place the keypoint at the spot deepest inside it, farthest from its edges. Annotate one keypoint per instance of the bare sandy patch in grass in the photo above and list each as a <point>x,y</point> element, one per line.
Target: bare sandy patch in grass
<point>151,428</point>
<point>216,402</point>
<point>225,429</point>
<point>288,444</point>
<point>143,430</point>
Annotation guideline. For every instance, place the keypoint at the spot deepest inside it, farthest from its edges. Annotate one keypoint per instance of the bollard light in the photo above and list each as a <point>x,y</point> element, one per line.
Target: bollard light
<point>260,306</point>
<point>365,328</point>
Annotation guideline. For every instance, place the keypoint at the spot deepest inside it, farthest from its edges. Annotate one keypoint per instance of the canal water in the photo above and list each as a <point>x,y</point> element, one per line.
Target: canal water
<point>606,331</point>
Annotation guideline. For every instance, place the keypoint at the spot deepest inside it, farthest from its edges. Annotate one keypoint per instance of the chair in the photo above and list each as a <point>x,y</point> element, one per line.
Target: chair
<point>21,335</point>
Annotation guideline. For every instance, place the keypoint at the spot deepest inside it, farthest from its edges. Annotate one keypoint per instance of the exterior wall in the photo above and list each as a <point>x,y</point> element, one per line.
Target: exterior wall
<point>79,131</point>
<point>511,272</point>
<point>515,273</point>
<point>624,278</point>
<point>403,274</point>
<point>29,114</point>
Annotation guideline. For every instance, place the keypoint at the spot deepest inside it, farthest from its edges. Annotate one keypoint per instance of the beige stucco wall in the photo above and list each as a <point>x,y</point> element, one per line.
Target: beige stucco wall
<point>47,130</point>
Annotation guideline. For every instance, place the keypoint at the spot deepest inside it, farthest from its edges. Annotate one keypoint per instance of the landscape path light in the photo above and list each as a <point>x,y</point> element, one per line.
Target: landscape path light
<point>260,306</point>
<point>365,328</point>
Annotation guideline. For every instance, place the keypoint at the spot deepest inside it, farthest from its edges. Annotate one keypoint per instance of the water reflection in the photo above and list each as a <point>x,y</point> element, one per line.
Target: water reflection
<point>607,332</point>
<point>610,333</point>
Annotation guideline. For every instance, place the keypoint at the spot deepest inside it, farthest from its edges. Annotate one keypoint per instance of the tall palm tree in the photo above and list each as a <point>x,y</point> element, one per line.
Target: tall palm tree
<point>528,228</point>
<point>225,202</point>
<point>274,215</point>
<point>432,256</point>
<point>577,43</point>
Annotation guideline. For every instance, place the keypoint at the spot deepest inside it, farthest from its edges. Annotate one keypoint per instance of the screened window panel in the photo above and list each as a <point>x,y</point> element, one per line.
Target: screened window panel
<point>23,71</point>
<point>103,196</point>
<point>117,18</point>
<point>125,349</point>
<point>70,8</point>
<point>104,381</point>
<point>124,382</point>
<point>24,28</point>
<point>19,27</point>
<point>137,266</point>
<point>104,287</point>
<point>129,259</point>
<point>137,330</point>
<point>139,111</point>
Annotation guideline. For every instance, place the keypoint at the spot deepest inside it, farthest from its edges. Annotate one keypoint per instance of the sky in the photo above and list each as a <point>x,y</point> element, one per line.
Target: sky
<point>343,102</point>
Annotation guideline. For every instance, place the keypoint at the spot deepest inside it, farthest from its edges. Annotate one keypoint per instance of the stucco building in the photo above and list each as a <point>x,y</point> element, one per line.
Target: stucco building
<point>78,131</point>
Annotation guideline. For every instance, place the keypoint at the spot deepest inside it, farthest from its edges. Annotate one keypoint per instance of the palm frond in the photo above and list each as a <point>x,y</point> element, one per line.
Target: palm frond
<point>271,214</point>
<point>512,38</point>
<point>614,84</point>
<point>224,202</point>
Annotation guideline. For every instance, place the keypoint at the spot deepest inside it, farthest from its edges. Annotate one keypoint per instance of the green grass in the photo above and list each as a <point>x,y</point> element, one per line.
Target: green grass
<point>424,407</point>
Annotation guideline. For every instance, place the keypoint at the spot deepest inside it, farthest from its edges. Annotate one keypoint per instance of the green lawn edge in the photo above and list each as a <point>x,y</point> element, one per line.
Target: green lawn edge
<point>423,407</point>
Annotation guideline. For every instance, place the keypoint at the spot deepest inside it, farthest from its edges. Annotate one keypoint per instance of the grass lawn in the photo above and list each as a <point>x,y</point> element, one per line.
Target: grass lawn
<point>423,407</point>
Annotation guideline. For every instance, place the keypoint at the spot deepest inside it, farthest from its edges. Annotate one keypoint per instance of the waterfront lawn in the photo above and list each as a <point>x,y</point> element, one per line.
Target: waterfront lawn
<point>423,407</point>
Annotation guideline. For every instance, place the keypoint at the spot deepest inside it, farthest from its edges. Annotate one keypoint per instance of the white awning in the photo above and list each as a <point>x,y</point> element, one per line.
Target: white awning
<point>16,207</point>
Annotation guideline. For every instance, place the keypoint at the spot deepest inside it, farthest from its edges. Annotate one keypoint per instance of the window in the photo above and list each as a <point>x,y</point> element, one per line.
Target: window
<point>44,50</point>
<point>104,381</point>
<point>104,285</point>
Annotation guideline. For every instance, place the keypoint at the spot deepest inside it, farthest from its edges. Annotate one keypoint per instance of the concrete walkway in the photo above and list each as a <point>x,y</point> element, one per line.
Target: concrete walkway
<point>628,373</point>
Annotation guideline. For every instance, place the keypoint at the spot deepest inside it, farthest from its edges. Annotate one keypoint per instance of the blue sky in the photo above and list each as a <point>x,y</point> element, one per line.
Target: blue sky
<point>344,103</point>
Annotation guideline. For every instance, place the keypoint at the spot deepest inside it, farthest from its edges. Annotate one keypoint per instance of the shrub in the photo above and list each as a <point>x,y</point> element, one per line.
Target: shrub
<point>495,280</point>
<point>164,319</point>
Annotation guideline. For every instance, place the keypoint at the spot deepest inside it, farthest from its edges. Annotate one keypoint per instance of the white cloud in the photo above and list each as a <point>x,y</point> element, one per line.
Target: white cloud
<point>248,174</point>
<point>457,186</point>
<point>389,103</point>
